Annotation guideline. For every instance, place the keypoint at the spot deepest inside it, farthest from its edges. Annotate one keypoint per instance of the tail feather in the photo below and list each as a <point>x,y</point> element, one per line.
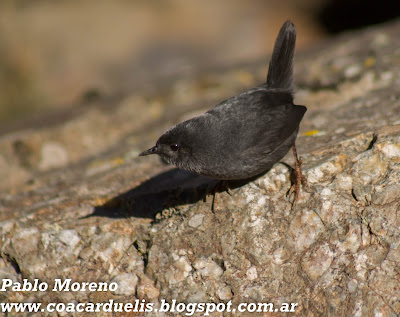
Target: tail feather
<point>280,73</point>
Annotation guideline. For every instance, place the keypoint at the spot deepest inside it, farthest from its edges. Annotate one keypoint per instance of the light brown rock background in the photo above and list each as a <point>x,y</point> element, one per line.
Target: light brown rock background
<point>57,55</point>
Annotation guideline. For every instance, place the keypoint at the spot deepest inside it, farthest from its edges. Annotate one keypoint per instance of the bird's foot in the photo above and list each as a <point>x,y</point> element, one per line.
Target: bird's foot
<point>299,178</point>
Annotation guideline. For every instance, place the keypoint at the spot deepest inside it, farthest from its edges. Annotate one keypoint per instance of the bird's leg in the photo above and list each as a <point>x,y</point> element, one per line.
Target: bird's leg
<point>300,179</point>
<point>218,187</point>
<point>213,200</point>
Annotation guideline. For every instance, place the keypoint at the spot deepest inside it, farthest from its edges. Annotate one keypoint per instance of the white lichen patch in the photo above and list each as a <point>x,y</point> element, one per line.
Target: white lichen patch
<point>208,268</point>
<point>343,181</point>
<point>318,262</point>
<point>276,179</point>
<point>326,192</point>
<point>69,237</point>
<point>353,238</point>
<point>196,221</point>
<point>352,71</point>
<point>305,229</point>
<point>107,248</point>
<point>224,292</point>
<point>146,288</point>
<point>389,150</point>
<point>178,271</point>
<point>280,256</point>
<point>251,273</point>
<point>352,285</point>
<point>326,169</point>
<point>360,264</point>
<point>53,155</point>
<point>369,168</point>
<point>127,283</point>
<point>262,201</point>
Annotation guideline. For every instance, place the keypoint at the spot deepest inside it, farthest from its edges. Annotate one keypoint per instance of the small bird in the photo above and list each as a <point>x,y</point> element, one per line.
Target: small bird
<point>245,135</point>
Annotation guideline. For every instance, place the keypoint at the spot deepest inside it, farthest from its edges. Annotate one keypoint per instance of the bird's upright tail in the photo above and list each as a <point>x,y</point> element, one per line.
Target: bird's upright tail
<point>280,73</point>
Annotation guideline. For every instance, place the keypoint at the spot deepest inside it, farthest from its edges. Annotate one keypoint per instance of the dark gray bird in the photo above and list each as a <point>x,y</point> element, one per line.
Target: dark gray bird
<point>247,134</point>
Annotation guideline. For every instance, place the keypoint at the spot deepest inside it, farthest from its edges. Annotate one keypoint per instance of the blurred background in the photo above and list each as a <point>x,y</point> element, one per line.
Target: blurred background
<point>56,54</point>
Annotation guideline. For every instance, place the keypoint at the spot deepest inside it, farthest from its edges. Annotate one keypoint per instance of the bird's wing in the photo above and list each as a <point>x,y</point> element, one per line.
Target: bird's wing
<point>273,128</point>
<point>256,120</point>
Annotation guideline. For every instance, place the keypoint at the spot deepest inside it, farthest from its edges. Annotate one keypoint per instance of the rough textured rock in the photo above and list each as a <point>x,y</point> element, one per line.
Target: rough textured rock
<point>77,203</point>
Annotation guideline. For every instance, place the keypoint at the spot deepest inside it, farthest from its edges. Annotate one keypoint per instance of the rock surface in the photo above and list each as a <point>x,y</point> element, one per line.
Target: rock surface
<point>77,203</point>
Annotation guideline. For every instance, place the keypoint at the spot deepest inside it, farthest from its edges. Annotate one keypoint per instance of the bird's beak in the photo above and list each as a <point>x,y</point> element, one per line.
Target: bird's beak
<point>152,150</point>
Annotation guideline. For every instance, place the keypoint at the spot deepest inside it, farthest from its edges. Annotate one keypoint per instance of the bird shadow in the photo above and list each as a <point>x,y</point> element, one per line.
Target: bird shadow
<point>168,189</point>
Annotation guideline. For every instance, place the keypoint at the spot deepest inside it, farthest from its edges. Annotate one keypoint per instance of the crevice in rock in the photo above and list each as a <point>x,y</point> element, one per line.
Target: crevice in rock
<point>353,194</point>
<point>13,263</point>
<point>373,141</point>
<point>143,253</point>
<point>220,262</point>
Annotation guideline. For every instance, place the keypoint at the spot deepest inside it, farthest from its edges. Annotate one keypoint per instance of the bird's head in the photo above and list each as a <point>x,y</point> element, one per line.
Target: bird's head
<point>173,147</point>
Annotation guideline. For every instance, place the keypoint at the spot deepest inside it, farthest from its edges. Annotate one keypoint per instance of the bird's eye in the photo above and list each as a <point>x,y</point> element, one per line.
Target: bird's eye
<point>174,147</point>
